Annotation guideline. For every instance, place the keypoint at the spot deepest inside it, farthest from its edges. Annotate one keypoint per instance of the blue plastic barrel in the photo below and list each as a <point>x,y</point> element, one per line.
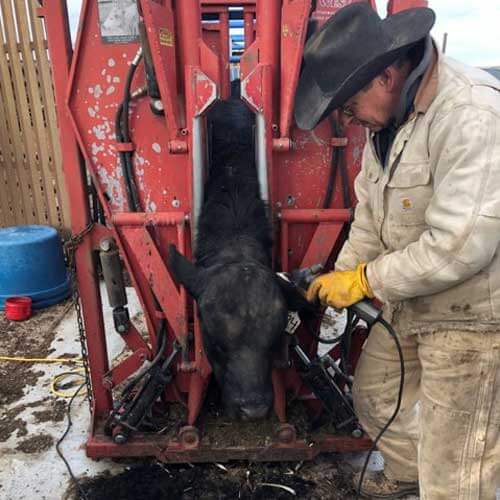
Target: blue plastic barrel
<point>32,264</point>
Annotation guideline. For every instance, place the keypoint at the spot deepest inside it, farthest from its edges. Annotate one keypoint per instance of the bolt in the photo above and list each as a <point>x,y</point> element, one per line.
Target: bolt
<point>176,203</point>
<point>120,438</point>
<point>287,434</point>
<point>106,244</point>
<point>357,433</point>
<point>157,104</point>
<point>121,328</point>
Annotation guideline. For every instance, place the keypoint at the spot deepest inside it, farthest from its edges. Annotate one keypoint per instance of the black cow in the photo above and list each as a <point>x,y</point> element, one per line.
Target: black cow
<point>241,306</point>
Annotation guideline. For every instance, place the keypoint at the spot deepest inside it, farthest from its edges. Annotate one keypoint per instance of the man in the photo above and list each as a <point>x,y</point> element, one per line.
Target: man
<point>424,240</point>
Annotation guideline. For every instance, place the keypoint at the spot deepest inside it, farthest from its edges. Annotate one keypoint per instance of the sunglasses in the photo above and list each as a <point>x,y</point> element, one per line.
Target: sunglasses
<point>347,110</point>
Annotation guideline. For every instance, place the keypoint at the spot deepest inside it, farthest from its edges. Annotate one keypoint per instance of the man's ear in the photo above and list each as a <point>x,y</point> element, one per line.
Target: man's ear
<point>185,272</point>
<point>388,78</point>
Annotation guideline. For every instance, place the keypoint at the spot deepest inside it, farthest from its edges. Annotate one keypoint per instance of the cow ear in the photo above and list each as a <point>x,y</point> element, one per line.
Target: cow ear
<point>185,272</point>
<point>295,300</point>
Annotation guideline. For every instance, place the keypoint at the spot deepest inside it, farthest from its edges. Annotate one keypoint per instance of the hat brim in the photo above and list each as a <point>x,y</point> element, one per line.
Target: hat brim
<point>312,104</point>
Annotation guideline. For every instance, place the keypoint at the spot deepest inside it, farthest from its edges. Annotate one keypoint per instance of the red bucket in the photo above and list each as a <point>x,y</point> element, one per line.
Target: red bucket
<point>18,308</point>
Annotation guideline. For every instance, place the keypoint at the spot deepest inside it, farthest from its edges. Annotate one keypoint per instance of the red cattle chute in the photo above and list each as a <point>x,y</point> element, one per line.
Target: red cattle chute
<point>191,65</point>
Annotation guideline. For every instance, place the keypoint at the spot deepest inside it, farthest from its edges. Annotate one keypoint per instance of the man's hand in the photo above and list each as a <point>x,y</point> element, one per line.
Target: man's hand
<point>340,288</point>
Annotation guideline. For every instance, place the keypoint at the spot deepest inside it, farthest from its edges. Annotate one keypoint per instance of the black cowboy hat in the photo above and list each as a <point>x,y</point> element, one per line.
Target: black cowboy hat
<point>349,51</point>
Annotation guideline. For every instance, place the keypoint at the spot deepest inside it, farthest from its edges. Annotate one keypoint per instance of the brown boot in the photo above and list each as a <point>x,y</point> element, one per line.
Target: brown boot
<point>378,485</point>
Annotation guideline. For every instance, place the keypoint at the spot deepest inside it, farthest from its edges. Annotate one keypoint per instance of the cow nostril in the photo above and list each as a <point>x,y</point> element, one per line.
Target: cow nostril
<point>254,412</point>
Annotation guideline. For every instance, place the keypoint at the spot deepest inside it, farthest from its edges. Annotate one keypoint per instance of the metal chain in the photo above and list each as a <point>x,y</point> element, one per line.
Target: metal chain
<point>70,248</point>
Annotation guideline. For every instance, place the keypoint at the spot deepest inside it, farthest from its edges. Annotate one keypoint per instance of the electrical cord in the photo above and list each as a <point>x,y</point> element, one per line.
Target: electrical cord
<point>82,493</point>
<point>392,333</point>
<point>56,386</point>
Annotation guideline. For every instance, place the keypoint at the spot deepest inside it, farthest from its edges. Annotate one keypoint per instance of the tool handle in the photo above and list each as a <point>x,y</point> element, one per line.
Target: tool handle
<point>367,311</point>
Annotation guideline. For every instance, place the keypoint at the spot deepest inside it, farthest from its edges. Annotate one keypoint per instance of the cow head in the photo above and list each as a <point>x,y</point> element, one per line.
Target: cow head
<point>243,316</point>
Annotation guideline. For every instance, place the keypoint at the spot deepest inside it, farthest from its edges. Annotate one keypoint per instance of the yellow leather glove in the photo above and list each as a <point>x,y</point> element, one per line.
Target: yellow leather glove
<point>340,288</point>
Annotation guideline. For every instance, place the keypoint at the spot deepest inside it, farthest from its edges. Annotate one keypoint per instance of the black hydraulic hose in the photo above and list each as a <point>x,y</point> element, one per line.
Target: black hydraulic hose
<point>123,161</point>
<point>122,132</point>
<point>162,342</point>
<point>343,169</point>
<point>392,333</point>
<point>334,163</point>
<point>337,163</point>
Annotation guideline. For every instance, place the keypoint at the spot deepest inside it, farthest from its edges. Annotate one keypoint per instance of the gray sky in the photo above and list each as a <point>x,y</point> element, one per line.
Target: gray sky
<point>473,28</point>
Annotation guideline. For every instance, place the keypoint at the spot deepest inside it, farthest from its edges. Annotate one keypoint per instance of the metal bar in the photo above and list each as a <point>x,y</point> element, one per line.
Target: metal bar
<point>316,215</point>
<point>322,243</point>
<point>172,451</point>
<point>248,30</point>
<point>261,156</point>
<point>149,218</point>
<point>189,26</point>
<point>59,43</point>
<point>224,54</point>
<point>268,37</point>
<point>198,166</point>
<point>222,3</point>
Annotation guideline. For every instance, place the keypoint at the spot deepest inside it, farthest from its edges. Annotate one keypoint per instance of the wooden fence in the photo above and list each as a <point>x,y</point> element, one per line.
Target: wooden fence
<point>32,189</point>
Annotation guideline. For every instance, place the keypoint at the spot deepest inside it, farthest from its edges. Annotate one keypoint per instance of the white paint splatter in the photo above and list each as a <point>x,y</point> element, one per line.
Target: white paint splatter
<point>91,112</point>
<point>111,62</point>
<point>99,132</point>
<point>97,148</point>
<point>98,91</point>
<point>156,147</point>
<point>152,206</point>
<point>110,90</point>
<point>91,90</point>
<point>112,186</point>
<point>108,78</point>
<point>103,72</point>
<point>116,79</point>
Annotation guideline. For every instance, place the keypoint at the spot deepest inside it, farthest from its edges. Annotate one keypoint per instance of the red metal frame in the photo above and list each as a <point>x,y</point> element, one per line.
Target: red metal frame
<point>191,62</point>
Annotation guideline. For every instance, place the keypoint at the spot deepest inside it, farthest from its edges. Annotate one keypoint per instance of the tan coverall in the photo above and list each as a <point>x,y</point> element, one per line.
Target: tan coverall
<point>428,224</point>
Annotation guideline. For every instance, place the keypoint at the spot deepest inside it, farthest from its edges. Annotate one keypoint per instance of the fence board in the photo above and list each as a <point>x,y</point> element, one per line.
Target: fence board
<point>43,152</point>
<point>32,186</point>
<point>39,45</point>
<point>14,134</point>
<point>42,56</point>
<point>27,131</point>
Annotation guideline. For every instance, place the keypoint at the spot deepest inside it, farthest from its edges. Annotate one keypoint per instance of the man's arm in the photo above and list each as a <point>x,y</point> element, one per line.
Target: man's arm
<point>463,215</point>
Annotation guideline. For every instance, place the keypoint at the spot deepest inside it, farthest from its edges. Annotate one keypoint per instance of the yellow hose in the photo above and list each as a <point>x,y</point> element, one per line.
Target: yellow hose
<point>53,385</point>
<point>41,360</point>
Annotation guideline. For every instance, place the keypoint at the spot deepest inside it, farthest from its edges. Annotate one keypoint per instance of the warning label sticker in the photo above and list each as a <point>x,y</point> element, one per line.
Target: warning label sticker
<point>119,21</point>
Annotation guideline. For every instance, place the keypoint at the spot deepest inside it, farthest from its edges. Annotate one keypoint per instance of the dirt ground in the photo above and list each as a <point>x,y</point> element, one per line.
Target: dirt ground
<point>324,478</point>
<point>318,480</point>
<point>27,339</point>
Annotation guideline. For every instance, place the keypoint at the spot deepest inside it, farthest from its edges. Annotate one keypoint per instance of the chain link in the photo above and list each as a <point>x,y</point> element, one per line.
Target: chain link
<point>70,249</point>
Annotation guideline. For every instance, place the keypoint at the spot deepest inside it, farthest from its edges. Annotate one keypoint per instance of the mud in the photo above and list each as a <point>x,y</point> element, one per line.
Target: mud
<point>26,339</point>
<point>36,444</point>
<point>316,480</point>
